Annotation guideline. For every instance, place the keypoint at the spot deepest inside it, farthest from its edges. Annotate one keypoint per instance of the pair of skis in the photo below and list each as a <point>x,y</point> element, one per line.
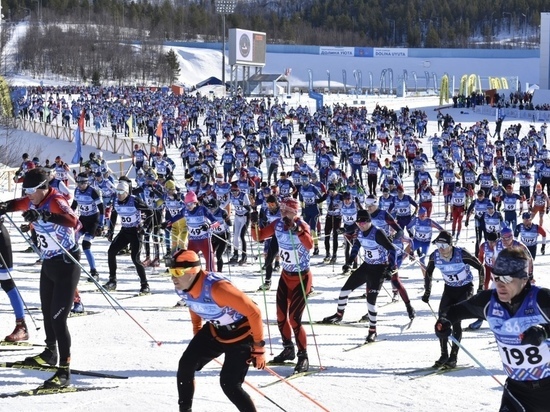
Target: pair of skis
<point>42,390</point>
<point>431,371</point>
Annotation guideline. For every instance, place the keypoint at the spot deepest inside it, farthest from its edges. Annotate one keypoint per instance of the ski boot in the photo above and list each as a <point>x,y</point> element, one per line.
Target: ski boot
<point>234,258</point>
<point>19,333</point>
<point>315,250</point>
<point>94,275</point>
<point>47,357</point>
<point>110,285</point>
<point>61,378</point>
<point>326,259</point>
<point>287,353</point>
<point>78,307</point>
<point>144,290</point>
<point>333,260</point>
<point>371,337</point>
<point>243,259</point>
<point>334,319</point>
<point>277,266</point>
<point>302,365</point>
<point>410,311</point>
<point>265,286</point>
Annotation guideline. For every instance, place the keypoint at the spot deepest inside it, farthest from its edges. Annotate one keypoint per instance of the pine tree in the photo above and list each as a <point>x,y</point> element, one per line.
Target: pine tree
<point>173,64</point>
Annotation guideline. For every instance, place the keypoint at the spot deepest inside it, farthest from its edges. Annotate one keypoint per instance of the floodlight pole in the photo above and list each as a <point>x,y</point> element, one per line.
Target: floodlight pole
<point>224,7</point>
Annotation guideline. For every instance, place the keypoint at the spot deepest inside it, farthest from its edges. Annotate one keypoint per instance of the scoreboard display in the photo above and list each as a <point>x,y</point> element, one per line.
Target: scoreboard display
<point>247,48</point>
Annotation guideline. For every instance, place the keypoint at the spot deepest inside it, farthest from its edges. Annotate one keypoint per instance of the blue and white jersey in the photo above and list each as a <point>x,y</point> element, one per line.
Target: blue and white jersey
<point>458,197</point>
<point>106,188</point>
<point>402,207</point>
<point>521,362</point>
<point>349,213</point>
<point>173,206</point>
<point>206,308</point>
<point>493,223</point>
<point>379,220</point>
<point>384,203</point>
<point>220,215</point>
<point>509,202</point>
<point>480,207</point>
<point>195,219</point>
<point>163,167</point>
<point>87,201</point>
<point>455,272</point>
<point>375,254</point>
<point>130,216</point>
<point>422,229</point>
<point>139,155</point>
<point>309,195</point>
<point>528,236</point>
<point>61,172</point>
<point>294,256</point>
<point>239,203</point>
<point>285,187</point>
<point>222,191</point>
<point>334,205</point>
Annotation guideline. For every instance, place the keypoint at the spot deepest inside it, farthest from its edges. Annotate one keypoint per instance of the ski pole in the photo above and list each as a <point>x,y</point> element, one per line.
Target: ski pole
<point>305,395</point>
<point>19,293</point>
<point>263,289</point>
<point>304,292</point>
<point>71,257</point>
<point>37,251</point>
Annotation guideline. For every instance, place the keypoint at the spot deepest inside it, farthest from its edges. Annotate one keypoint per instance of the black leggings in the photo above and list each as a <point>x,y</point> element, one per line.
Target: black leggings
<point>125,237</point>
<point>219,243</point>
<point>270,257</point>
<point>58,280</point>
<point>332,224</point>
<point>200,351</point>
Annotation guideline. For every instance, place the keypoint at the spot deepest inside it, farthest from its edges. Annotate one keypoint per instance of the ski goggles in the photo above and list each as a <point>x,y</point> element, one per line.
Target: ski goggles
<point>32,190</point>
<point>179,272</point>
<point>120,191</point>
<point>503,279</point>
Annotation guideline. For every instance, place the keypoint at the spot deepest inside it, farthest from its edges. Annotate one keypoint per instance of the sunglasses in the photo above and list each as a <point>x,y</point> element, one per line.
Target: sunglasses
<point>32,190</point>
<point>179,272</point>
<point>361,221</point>
<point>120,192</point>
<point>442,245</point>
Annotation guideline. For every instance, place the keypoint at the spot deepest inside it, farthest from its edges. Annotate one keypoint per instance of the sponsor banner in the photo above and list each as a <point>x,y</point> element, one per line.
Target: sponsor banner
<point>336,51</point>
<point>379,52</point>
<point>363,52</point>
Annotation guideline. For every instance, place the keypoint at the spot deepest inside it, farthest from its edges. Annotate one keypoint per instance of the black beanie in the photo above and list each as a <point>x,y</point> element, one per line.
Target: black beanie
<point>36,177</point>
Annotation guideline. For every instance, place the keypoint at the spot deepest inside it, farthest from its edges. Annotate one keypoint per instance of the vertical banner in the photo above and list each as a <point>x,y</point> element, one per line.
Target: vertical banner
<point>78,137</point>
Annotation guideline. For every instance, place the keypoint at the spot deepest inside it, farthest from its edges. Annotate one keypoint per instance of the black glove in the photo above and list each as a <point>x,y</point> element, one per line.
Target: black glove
<point>254,217</point>
<point>3,208</point>
<point>466,223</point>
<point>443,327</point>
<point>164,225</point>
<point>389,272</point>
<point>25,228</point>
<point>543,249</point>
<point>290,224</point>
<point>340,230</point>
<point>547,210</point>
<point>205,226</point>
<point>346,268</point>
<point>426,297</point>
<point>534,335</point>
<point>110,236</point>
<point>32,215</point>
<point>99,231</point>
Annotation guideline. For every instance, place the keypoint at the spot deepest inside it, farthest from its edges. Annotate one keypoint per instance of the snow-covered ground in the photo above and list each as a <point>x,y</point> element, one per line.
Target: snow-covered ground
<point>369,377</point>
<point>366,378</point>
